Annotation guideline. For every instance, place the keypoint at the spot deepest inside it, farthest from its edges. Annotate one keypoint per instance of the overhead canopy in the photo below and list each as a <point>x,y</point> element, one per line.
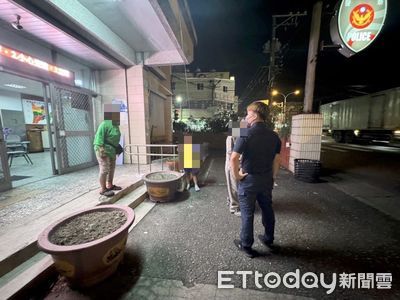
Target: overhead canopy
<point>105,33</point>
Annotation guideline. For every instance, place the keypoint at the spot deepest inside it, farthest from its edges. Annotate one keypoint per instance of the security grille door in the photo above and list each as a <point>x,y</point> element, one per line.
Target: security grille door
<point>73,120</point>
<point>5,180</point>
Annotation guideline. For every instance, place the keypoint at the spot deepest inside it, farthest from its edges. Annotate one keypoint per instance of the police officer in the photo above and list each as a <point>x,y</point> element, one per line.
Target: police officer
<point>260,164</point>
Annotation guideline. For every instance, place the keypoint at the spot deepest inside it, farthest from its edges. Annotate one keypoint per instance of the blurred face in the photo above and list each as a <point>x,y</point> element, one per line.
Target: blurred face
<point>251,117</point>
<point>113,116</point>
<point>238,129</point>
<point>116,118</point>
<point>111,112</point>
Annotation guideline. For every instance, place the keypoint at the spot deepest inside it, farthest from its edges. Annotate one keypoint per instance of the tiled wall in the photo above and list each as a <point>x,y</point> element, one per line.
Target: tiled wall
<point>140,82</point>
<point>112,86</point>
<point>305,138</point>
<point>161,87</point>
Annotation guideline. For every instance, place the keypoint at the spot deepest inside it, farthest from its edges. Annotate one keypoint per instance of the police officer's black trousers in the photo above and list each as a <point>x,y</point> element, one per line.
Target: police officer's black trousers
<point>247,200</point>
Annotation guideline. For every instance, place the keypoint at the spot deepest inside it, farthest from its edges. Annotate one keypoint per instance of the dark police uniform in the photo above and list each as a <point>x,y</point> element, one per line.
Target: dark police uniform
<point>258,151</point>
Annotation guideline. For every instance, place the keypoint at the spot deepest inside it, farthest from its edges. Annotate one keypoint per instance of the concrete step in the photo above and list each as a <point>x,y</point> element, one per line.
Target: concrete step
<point>28,266</point>
<point>40,266</point>
<point>19,241</point>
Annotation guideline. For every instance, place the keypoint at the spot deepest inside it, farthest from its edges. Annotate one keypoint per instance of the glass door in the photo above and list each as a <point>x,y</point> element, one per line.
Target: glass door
<point>5,179</point>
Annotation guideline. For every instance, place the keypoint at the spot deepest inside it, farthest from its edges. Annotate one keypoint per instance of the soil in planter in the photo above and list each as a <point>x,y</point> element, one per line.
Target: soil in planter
<point>161,176</point>
<point>88,227</point>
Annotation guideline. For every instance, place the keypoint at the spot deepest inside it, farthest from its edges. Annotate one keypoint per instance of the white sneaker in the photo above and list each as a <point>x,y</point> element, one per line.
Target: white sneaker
<point>196,188</point>
<point>236,212</point>
<point>188,186</point>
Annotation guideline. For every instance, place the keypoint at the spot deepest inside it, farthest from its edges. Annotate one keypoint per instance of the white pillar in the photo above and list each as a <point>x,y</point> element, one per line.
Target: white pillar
<point>114,85</point>
<point>305,138</point>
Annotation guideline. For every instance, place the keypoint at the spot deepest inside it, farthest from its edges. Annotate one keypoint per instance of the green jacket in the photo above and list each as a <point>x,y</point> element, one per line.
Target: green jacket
<point>106,134</point>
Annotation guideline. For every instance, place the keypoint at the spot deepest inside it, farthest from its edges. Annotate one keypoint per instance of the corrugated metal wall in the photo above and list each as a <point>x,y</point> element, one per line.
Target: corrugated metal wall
<point>375,111</point>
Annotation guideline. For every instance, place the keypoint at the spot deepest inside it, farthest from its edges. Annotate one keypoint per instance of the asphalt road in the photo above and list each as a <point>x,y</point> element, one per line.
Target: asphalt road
<point>377,165</point>
<point>319,229</point>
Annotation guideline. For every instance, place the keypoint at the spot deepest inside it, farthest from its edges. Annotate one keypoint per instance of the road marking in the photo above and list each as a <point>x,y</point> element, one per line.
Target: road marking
<point>333,148</point>
<point>348,147</point>
<point>363,148</point>
<point>208,171</point>
<point>381,148</point>
<point>359,147</point>
<point>353,148</point>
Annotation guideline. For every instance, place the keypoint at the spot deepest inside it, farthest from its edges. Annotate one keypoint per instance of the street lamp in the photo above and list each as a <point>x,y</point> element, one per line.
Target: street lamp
<point>275,92</point>
<point>179,100</point>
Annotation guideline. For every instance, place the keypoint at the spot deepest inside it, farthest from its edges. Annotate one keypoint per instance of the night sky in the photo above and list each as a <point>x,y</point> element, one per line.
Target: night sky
<point>231,35</point>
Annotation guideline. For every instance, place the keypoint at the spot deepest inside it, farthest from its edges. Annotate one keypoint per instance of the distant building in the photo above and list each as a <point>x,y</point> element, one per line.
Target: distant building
<point>201,94</point>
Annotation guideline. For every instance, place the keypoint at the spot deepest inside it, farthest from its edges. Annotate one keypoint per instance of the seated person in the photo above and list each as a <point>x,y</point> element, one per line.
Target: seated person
<point>191,174</point>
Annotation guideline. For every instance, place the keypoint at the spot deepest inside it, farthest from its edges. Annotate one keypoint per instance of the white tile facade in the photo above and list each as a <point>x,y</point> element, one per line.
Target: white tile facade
<point>136,128</point>
<point>113,86</point>
<point>305,138</point>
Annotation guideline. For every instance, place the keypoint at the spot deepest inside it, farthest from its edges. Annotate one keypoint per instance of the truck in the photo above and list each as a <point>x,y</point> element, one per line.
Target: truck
<point>368,118</point>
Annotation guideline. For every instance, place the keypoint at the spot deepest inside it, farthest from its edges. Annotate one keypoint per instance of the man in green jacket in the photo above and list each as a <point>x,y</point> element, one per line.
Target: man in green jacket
<point>105,142</point>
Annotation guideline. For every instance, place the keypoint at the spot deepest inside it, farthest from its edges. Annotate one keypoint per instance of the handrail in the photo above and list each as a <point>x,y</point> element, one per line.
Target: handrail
<point>162,155</point>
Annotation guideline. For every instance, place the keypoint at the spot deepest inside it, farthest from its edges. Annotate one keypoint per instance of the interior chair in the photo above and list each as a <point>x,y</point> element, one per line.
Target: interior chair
<point>11,138</point>
<point>16,148</point>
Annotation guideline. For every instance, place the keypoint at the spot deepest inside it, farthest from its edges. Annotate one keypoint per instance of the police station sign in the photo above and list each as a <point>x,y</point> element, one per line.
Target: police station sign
<point>357,23</point>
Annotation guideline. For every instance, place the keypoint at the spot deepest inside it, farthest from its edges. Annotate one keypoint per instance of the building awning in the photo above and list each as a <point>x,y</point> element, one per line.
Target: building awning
<point>108,34</point>
<point>41,31</point>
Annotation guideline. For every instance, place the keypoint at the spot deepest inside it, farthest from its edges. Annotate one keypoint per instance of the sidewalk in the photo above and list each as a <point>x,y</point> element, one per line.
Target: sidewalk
<point>33,200</point>
<point>176,251</point>
<point>25,211</point>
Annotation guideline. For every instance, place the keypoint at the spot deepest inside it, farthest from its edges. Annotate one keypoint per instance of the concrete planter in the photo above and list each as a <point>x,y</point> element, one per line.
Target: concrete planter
<point>88,263</point>
<point>163,185</point>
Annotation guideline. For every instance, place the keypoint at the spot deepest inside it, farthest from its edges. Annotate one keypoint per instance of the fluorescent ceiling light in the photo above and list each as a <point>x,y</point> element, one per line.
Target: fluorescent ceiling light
<point>15,86</point>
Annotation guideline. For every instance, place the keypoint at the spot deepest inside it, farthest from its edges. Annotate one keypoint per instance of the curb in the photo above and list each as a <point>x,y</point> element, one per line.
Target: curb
<point>44,267</point>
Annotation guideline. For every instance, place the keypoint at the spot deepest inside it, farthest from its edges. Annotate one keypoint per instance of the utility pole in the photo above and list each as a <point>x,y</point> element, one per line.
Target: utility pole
<point>271,73</point>
<point>287,20</point>
<point>312,57</point>
<point>213,87</point>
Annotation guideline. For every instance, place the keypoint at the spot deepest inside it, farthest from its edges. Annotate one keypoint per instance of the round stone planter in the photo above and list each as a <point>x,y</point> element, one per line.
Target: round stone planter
<point>163,185</point>
<point>88,263</point>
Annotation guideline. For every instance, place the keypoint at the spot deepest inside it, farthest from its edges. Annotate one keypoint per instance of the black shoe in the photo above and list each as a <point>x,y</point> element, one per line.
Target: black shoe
<point>107,193</point>
<point>268,243</point>
<point>248,251</point>
<point>114,188</point>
